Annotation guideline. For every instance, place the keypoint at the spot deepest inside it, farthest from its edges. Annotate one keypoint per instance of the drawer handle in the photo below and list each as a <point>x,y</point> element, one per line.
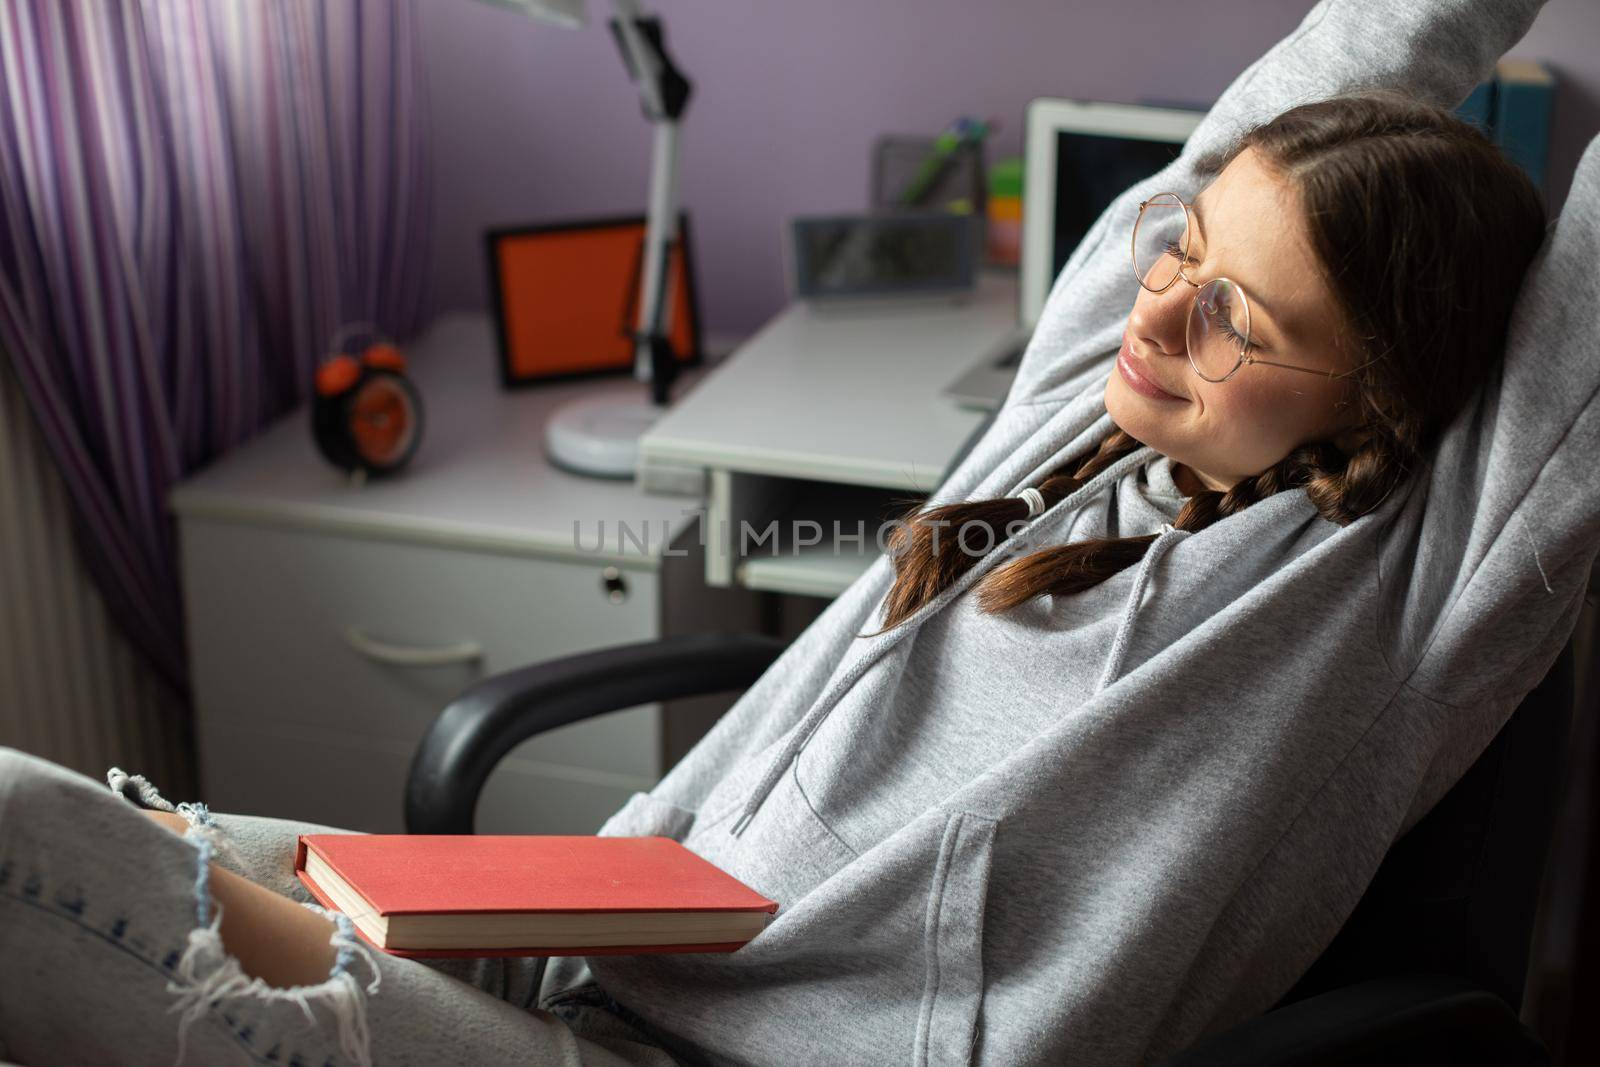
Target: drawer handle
<point>402,656</point>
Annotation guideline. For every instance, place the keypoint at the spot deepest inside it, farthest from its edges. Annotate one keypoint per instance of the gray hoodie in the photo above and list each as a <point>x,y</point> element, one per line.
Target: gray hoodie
<point>1092,830</point>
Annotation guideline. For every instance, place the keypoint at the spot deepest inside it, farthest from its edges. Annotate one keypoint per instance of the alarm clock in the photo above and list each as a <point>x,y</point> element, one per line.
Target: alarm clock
<point>366,415</point>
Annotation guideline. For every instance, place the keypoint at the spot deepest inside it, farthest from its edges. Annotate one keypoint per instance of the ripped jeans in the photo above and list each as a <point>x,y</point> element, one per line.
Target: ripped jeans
<point>110,954</point>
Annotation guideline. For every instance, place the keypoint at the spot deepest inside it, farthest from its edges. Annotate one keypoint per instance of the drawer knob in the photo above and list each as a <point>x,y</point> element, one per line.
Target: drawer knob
<point>614,584</point>
<point>412,655</point>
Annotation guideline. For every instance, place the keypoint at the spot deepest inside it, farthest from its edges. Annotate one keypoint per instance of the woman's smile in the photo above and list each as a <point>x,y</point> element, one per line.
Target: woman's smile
<point>1140,383</point>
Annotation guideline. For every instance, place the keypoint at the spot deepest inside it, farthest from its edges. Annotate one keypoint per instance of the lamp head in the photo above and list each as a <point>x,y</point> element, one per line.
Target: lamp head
<point>568,13</point>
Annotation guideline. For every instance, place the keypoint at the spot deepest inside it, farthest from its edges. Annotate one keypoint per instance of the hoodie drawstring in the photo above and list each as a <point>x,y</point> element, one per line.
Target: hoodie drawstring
<point>808,724</point>
<point>1169,536</point>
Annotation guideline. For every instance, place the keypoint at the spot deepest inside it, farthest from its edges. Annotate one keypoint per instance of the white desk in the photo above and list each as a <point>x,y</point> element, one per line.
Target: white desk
<point>479,480</point>
<point>827,413</point>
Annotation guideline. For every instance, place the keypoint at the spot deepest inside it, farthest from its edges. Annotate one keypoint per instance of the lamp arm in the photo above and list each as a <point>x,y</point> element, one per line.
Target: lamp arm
<point>664,92</point>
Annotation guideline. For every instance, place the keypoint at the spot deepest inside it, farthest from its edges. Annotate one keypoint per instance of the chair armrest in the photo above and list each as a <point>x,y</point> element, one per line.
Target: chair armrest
<point>1407,1019</point>
<point>494,715</point>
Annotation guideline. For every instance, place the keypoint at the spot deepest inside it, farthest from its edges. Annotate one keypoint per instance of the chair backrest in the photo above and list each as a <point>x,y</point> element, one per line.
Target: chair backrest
<point>1458,894</point>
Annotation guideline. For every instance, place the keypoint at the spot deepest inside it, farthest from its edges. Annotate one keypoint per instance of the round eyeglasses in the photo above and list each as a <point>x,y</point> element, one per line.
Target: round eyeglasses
<point>1217,332</point>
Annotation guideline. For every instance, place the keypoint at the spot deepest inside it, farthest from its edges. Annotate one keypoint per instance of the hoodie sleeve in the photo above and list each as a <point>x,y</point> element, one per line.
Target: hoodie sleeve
<point>1487,591</point>
<point>1434,50</point>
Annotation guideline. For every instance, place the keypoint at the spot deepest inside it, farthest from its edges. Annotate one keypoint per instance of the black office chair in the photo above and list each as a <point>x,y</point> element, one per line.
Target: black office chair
<point>1429,968</point>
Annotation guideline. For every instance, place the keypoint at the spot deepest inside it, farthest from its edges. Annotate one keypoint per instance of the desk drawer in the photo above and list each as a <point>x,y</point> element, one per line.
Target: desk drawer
<point>365,639</point>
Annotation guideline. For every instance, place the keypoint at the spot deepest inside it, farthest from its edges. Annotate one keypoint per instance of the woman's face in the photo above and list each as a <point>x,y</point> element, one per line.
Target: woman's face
<point>1247,227</point>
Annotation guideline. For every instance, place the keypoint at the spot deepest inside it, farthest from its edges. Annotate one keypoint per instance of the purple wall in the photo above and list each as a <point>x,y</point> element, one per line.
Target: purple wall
<point>533,123</point>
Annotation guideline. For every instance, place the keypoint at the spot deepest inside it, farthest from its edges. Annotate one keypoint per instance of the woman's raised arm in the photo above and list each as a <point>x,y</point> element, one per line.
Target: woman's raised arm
<point>1433,50</point>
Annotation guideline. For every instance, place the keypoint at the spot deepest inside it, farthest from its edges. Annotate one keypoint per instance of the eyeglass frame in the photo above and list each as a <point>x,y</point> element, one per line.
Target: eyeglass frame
<point>1244,353</point>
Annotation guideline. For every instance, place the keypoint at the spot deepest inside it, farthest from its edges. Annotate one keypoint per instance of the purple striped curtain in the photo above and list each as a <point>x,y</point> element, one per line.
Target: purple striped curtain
<point>193,195</point>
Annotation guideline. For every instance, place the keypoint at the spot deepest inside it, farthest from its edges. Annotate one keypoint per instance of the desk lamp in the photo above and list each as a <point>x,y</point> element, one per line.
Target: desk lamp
<point>600,436</point>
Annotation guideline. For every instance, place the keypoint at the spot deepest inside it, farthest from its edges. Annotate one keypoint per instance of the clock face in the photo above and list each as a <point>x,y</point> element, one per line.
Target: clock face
<point>383,420</point>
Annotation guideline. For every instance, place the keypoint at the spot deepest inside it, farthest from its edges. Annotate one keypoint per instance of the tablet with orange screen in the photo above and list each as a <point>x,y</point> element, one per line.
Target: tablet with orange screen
<point>566,298</point>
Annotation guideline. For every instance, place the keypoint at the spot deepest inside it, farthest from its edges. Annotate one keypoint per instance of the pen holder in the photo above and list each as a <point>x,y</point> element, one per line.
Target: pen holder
<point>906,164</point>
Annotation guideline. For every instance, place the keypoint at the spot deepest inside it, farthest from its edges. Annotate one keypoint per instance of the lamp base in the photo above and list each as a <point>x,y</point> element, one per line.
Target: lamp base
<point>599,436</point>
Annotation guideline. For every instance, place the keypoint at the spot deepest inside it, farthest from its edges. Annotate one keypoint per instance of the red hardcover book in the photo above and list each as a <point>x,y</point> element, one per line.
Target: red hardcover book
<point>529,895</point>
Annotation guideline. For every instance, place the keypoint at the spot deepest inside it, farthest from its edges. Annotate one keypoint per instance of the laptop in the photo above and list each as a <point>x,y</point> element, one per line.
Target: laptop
<point>1084,154</point>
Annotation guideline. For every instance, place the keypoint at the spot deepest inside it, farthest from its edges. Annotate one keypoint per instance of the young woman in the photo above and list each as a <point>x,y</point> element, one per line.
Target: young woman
<point>946,827</point>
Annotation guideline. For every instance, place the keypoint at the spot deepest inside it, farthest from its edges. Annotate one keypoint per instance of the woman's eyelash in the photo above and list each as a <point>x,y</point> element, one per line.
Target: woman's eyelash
<point>1222,321</point>
<point>1226,326</point>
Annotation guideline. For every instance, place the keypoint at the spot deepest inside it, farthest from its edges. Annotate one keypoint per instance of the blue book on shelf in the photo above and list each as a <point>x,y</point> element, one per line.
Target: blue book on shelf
<point>1478,107</point>
<point>1524,92</point>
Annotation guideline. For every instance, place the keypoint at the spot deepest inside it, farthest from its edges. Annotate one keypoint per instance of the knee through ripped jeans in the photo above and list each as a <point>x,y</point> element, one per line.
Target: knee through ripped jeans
<point>111,953</point>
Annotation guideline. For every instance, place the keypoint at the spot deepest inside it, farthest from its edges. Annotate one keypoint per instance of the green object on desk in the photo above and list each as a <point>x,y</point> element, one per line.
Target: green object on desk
<point>1005,177</point>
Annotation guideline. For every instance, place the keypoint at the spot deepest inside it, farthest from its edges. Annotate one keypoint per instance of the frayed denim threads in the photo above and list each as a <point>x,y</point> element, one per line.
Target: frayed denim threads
<point>209,978</point>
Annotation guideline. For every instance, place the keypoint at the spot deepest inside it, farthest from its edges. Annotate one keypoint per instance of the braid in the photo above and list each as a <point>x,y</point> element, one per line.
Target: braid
<point>932,549</point>
<point>1345,491</point>
<point>1342,488</point>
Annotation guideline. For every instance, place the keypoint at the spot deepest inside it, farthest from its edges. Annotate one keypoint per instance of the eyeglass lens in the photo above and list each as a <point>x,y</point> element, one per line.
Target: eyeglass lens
<point>1218,327</point>
<point>1160,241</point>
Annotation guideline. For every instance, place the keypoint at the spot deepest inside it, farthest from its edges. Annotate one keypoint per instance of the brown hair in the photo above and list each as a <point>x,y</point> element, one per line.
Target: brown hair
<point>1393,190</point>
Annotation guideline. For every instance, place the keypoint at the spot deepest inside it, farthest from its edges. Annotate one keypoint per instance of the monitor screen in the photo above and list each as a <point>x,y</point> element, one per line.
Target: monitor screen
<point>1091,171</point>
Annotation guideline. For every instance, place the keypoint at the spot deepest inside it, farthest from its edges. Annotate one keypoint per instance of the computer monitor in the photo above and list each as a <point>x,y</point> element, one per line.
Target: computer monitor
<point>1082,155</point>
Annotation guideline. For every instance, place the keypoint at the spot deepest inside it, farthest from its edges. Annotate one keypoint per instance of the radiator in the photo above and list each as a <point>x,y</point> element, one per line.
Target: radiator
<point>71,688</point>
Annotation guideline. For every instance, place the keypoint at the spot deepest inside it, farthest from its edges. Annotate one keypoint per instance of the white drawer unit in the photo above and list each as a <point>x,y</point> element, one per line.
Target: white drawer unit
<point>330,623</point>
<point>307,640</point>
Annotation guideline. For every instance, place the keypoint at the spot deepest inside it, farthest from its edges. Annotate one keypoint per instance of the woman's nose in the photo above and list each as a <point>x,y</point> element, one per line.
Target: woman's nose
<point>1159,320</point>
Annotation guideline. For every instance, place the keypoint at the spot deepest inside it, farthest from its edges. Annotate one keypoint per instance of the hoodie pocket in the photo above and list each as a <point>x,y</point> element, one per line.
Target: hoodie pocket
<point>881,964</point>
<point>947,1026</point>
<point>647,815</point>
